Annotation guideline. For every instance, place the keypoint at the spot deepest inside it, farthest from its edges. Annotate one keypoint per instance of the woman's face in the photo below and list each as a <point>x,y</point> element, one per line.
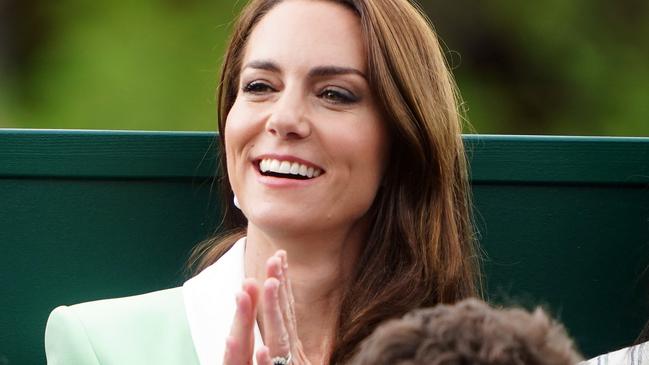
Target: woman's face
<point>306,147</point>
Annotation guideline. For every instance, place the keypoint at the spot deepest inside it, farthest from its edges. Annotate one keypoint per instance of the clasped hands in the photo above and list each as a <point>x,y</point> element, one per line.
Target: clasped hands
<point>276,307</point>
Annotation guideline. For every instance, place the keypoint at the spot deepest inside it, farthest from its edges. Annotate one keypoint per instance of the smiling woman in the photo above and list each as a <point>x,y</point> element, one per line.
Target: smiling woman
<point>314,108</point>
<point>341,133</point>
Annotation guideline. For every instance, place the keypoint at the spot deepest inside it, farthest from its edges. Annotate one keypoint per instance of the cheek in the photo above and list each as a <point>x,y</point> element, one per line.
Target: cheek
<point>238,131</point>
<point>364,149</point>
<point>235,141</point>
<point>232,126</point>
<point>230,160</point>
<point>374,159</point>
<point>230,143</point>
<point>370,148</point>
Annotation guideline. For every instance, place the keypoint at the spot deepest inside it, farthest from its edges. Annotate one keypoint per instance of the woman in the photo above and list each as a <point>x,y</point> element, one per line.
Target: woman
<point>342,143</point>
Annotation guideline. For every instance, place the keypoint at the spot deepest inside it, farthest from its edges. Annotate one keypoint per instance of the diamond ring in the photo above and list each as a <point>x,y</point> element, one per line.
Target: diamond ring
<point>281,360</point>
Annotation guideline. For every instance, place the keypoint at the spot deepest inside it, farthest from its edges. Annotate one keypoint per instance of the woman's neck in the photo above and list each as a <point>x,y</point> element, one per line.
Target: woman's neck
<point>319,268</point>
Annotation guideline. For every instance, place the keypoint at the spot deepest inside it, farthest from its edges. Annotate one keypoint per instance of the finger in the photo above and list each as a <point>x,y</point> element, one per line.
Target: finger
<point>287,301</point>
<point>275,268</point>
<point>275,333</point>
<point>251,287</point>
<point>239,344</point>
<point>243,318</point>
<point>263,356</point>
<point>233,352</point>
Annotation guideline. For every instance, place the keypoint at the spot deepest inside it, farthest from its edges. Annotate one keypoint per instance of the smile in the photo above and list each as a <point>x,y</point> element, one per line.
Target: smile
<point>288,169</point>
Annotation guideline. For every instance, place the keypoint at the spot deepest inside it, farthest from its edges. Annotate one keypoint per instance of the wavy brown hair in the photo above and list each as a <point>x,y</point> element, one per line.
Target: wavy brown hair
<point>420,249</point>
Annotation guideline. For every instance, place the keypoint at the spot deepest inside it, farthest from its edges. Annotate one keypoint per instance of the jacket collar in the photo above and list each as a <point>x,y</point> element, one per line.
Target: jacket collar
<point>210,304</point>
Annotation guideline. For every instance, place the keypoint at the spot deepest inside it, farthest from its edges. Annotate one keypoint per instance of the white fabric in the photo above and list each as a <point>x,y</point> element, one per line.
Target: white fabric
<point>210,304</point>
<point>634,355</point>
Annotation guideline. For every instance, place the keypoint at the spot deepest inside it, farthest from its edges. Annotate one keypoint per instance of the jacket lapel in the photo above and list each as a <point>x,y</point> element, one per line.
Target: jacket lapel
<point>210,304</point>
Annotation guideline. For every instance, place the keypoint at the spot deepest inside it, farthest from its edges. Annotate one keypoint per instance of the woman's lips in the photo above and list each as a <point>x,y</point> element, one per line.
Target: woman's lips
<point>285,166</point>
<point>282,171</point>
<point>287,169</point>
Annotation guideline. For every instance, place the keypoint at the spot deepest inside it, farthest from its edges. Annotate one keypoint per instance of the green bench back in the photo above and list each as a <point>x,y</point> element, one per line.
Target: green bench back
<point>84,215</point>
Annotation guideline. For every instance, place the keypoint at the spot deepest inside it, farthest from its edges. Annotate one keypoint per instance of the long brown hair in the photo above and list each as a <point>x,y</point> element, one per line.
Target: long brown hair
<point>420,249</point>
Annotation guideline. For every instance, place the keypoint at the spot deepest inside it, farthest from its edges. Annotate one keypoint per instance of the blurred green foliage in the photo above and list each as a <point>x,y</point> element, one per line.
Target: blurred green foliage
<point>145,64</point>
<point>553,67</point>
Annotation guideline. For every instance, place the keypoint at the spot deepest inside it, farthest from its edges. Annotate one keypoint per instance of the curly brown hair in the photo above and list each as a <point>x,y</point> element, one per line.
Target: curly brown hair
<point>469,333</point>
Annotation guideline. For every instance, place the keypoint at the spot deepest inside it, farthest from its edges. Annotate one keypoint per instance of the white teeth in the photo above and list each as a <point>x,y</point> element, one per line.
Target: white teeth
<point>273,165</point>
<point>295,167</point>
<point>285,167</point>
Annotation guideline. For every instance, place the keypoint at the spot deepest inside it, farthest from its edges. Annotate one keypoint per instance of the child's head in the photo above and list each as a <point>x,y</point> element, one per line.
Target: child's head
<point>469,333</point>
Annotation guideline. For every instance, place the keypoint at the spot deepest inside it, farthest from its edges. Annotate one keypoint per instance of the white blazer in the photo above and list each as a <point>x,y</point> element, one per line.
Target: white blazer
<point>210,304</point>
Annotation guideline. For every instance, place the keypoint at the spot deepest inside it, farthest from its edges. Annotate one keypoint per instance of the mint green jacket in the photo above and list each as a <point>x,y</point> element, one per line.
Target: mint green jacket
<point>145,329</point>
<point>186,325</point>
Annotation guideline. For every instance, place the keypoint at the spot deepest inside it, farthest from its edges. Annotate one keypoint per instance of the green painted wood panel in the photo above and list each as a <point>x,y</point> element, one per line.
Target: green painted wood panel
<point>85,215</point>
<point>579,250</point>
<point>65,241</point>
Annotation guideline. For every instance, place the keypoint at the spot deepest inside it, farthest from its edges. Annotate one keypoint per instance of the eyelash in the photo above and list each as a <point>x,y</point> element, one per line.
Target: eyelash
<point>338,96</point>
<point>333,95</point>
<point>255,86</point>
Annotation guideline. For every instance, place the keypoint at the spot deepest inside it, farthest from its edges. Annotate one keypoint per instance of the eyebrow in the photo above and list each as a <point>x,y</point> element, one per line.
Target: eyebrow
<point>320,71</point>
<point>263,65</point>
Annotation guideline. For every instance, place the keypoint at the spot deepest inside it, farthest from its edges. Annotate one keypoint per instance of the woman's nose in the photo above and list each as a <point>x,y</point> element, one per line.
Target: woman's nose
<point>289,118</point>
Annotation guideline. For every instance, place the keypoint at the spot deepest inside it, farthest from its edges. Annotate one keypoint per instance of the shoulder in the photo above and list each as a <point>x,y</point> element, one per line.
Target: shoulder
<point>634,355</point>
<point>148,328</point>
<point>162,303</point>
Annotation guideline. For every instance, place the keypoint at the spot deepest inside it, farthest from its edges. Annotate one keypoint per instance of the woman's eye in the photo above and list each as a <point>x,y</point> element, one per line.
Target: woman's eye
<point>338,96</point>
<point>257,87</point>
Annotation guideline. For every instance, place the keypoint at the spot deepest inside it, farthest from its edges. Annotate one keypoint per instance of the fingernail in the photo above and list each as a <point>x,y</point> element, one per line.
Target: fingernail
<point>284,260</point>
<point>273,284</point>
<point>278,267</point>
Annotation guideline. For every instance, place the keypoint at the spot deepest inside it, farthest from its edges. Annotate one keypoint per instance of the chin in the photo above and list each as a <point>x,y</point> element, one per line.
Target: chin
<point>277,226</point>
